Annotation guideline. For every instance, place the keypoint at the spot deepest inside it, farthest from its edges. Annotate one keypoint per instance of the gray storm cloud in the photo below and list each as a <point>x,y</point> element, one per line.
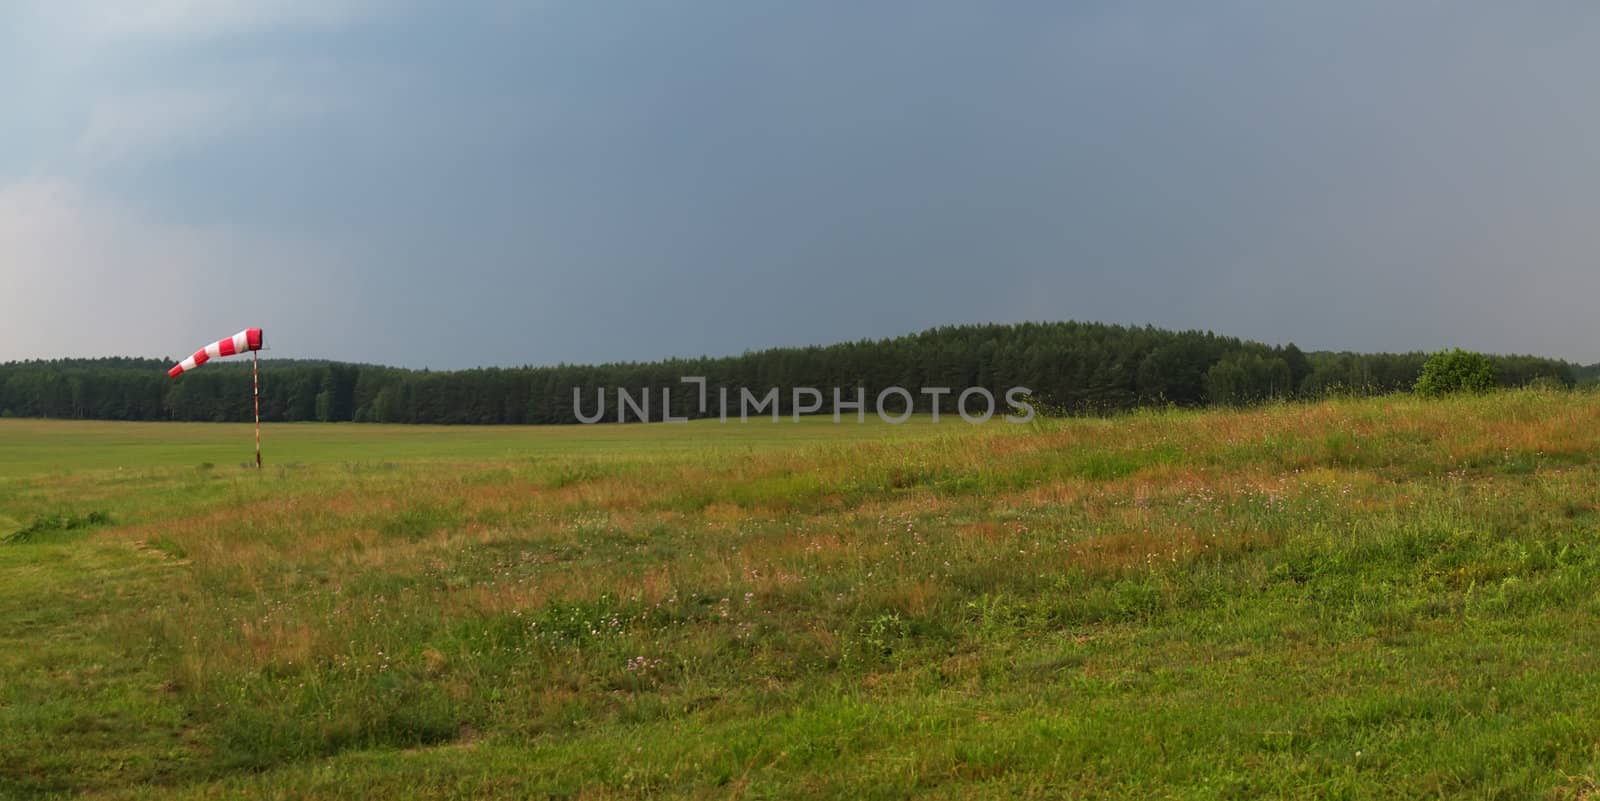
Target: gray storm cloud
<point>506,184</point>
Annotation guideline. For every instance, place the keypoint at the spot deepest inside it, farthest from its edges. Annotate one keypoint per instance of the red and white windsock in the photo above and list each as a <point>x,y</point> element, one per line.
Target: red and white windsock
<point>242,342</point>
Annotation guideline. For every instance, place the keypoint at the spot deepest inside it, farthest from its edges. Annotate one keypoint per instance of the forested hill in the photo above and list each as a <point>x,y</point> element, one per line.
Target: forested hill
<point>1070,367</point>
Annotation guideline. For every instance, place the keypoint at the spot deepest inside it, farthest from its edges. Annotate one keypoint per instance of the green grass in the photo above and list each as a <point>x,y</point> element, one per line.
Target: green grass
<point>42,447</point>
<point>1354,599</point>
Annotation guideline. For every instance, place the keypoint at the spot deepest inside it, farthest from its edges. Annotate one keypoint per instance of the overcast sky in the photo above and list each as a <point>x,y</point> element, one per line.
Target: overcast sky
<point>456,184</point>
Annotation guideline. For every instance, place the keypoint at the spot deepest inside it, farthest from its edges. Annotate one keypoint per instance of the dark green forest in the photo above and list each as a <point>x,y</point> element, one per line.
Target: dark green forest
<point>1071,368</point>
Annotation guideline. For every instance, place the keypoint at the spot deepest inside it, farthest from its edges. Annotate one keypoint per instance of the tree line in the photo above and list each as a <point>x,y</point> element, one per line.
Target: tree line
<point>1070,368</point>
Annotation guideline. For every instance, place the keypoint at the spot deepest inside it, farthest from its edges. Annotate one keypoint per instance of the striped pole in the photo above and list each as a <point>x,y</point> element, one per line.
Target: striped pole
<point>255,388</point>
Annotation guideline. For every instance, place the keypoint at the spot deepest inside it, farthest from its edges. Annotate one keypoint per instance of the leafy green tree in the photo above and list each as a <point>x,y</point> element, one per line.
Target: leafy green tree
<point>1299,367</point>
<point>1456,370</point>
<point>325,406</point>
<point>1227,383</point>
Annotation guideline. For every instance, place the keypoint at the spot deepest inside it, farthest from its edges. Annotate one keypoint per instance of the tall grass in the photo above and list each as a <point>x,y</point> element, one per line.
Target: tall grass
<point>1352,598</point>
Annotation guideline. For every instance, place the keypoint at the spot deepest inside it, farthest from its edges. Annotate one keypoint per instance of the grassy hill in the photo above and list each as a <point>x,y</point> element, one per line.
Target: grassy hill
<point>1353,598</point>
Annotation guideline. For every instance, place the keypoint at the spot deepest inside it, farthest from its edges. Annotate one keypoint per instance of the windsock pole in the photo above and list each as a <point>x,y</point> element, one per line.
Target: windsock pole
<point>255,388</point>
<point>248,339</point>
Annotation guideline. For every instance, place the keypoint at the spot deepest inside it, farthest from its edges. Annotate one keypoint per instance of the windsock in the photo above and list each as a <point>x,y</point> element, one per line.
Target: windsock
<point>242,342</point>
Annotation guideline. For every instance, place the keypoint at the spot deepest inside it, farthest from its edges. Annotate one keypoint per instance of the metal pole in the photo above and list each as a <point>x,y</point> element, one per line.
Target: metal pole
<point>255,387</point>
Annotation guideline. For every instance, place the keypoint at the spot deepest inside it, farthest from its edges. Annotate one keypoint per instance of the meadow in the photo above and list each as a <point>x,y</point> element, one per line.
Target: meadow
<point>1372,598</point>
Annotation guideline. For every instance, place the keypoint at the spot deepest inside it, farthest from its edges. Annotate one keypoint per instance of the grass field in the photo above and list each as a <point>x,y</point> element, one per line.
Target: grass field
<point>1382,598</point>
